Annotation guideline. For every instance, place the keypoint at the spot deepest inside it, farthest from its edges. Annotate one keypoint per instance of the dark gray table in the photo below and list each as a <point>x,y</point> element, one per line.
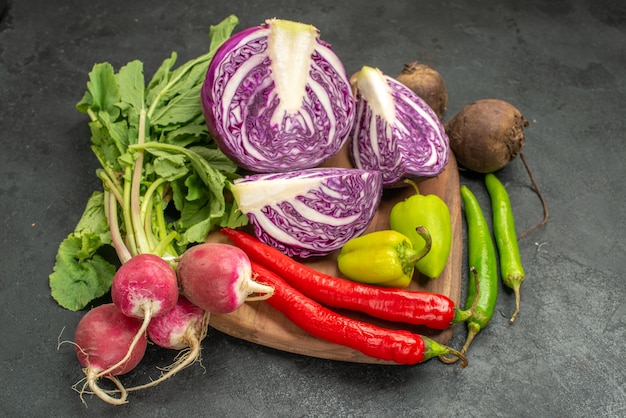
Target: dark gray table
<point>562,63</point>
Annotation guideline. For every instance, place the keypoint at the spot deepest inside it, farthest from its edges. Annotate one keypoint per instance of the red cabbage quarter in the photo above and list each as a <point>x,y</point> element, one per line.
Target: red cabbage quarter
<point>311,212</point>
<point>395,131</point>
<point>277,98</point>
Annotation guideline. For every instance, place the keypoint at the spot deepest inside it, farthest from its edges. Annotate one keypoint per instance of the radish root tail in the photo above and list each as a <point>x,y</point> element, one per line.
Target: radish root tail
<point>185,358</point>
<point>92,382</point>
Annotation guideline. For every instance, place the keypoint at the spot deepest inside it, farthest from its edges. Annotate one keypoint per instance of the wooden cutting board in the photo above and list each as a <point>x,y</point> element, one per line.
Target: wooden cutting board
<point>259,323</point>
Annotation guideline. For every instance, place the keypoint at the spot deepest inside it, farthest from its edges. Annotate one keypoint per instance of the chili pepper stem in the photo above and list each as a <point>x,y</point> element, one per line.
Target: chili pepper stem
<point>514,281</point>
<point>472,327</point>
<point>464,315</point>
<point>516,290</point>
<point>459,356</point>
<point>433,349</point>
<point>472,330</point>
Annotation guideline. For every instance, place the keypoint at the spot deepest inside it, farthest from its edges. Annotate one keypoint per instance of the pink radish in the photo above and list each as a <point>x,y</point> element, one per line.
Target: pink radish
<point>102,340</point>
<point>217,277</point>
<point>144,287</point>
<point>182,328</point>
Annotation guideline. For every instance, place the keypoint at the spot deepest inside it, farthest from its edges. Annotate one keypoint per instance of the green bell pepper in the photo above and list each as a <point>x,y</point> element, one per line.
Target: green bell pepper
<point>434,214</point>
<point>383,258</point>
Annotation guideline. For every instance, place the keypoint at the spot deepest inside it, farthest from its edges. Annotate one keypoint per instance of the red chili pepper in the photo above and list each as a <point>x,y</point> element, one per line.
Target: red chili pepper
<point>432,310</point>
<point>400,346</point>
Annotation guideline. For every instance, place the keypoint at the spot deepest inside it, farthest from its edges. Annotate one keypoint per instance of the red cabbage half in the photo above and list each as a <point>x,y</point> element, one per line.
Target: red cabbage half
<point>277,98</point>
<point>312,212</point>
<point>395,131</point>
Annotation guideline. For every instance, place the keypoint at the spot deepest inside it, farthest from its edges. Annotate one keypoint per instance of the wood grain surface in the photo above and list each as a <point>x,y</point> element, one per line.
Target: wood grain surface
<point>259,323</point>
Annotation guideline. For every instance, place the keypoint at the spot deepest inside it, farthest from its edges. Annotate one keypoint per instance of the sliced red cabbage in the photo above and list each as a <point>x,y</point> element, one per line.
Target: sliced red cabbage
<point>312,212</point>
<point>395,131</point>
<point>277,98</point>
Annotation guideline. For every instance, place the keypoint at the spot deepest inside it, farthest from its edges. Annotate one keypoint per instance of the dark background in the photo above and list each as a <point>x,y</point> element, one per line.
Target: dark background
<point>562,63</point>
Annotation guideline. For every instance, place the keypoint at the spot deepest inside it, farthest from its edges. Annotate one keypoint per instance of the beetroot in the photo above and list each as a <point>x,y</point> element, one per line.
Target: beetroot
<point>488,134</point>
<point>427,83</point>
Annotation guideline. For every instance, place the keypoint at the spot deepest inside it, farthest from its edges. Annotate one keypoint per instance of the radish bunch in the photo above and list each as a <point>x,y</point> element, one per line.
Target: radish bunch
<point>111,339</point>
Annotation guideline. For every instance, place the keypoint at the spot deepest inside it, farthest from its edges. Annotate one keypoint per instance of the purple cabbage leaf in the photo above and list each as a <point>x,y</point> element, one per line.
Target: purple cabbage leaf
<point>311,212</point>
<point>395,131</point>
<point>277,98</point>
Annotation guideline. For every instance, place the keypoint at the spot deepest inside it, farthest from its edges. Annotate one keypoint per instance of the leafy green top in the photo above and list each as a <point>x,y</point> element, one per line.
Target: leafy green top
<point>164,180</point>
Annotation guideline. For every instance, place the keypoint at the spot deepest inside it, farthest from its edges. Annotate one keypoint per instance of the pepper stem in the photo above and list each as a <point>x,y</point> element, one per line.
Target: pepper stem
<point>472,329</point>
<point>459,356</point>
<point>413,184</point>
<point>432,348</point>
<point>416,256</point>
<point>516,288</point>
<point>464,315</point>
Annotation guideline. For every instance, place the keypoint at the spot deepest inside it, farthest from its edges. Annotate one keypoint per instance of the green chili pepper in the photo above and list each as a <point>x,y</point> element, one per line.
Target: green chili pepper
<point>482,256</point>
<point>433,213</point>
<point>482,259</point>
<point>511,268</point>
<point>384,258</point>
